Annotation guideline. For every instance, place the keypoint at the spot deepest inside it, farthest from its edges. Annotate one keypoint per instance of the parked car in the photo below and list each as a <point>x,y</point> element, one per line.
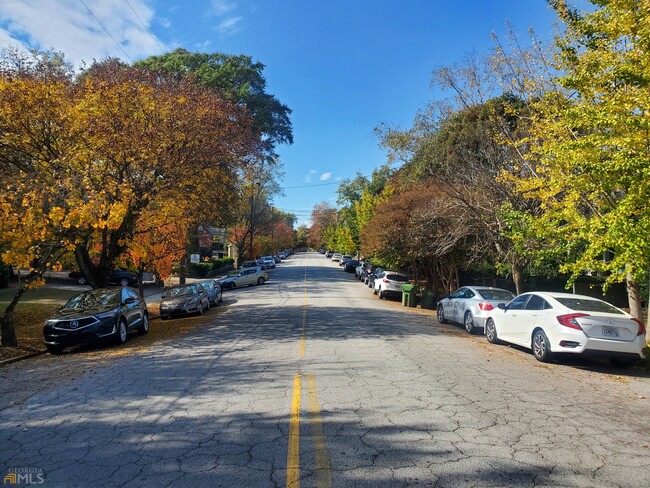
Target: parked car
<point>471,305</point>
<point>336,257</point>
<point>277,258</point>
<point>283,255</point>
<point>389,283</point>
<point>96,315</point>
<point>551,323</point>
<point>360,267</point>
<point>213,289</point>
<point>329,254</point>
<point>369,278</point>
<point>344,259</point>
<point>268,262</point>
<point>116,277</point>
<point>244,277</point>
<point>351,265</point>
<point>190,298</point>
<point>253,263</point>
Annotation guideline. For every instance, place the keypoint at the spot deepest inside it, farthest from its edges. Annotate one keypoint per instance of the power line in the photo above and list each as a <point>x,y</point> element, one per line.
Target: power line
<point>146,28</point>
<point>106,30</point>
<point>311,186</point>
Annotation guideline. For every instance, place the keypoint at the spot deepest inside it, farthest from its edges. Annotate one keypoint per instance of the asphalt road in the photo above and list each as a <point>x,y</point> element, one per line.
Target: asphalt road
<point>310,380</point>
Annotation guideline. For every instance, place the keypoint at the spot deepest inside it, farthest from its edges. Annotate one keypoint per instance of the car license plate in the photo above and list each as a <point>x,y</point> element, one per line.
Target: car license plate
<point>610,332</point>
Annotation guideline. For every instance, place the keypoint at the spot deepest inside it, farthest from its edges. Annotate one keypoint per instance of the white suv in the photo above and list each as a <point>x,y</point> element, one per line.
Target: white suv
<point>390,283</point>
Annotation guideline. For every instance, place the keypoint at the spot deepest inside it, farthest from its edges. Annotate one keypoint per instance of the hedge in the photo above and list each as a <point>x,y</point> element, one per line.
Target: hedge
<point>204,269</point>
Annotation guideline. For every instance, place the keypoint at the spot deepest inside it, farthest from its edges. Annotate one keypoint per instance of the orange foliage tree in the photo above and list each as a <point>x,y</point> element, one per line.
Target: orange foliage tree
<point>91,164</point>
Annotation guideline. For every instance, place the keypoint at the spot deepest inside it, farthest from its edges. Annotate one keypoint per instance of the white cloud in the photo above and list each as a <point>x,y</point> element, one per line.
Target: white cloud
<point>325,176</point>
<point>310,175</point>
<point>67,26</point>
<point>202,46</point>
<point>221,7</point>
<point>229,26</point>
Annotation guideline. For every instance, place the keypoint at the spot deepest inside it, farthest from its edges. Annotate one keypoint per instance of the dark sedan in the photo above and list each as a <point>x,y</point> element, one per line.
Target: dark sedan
<point>105,313</point>
<point>351,265</point>
<point>116,277</point>
<point>183,300</point>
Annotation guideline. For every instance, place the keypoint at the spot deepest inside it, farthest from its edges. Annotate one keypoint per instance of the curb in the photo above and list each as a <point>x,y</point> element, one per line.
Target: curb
<point>20,358</point>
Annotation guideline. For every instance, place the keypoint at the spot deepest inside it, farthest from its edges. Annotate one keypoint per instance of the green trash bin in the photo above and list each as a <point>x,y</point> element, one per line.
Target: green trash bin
<point>409,292</point>
<point>428,299</point>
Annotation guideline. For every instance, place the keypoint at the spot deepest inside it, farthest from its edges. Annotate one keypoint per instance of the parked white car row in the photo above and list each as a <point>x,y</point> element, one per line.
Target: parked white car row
<point>547,323</point>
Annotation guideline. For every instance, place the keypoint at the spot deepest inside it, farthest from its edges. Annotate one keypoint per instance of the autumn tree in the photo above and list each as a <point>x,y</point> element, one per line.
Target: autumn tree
<point>88,158</point>
<point>323,216</point>
<point>239,80</point>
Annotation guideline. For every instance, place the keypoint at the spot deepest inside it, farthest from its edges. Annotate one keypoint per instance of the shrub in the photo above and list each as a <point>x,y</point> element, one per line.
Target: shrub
<point>200,269</point>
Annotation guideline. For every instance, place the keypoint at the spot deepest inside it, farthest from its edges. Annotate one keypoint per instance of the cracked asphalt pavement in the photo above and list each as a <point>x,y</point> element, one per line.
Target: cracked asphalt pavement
<point>311,380</point>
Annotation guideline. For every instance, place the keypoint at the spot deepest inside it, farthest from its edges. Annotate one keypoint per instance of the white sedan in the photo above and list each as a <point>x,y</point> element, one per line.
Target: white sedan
<point>551,323</point>
<point>470,305</point>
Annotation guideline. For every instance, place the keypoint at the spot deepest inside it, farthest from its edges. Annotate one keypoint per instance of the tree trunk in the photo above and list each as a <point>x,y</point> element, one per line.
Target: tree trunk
<point>183,272</point>
<point>647,322</point>
<point>140,283</point>
<point>634,298</point>
<point>518,277</point>
<point>8,321</point>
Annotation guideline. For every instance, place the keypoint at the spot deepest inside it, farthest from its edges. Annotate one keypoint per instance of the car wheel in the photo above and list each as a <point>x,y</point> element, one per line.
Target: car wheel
<point>469,323</point>
<point>164,317</point>
<point>220,297</point>
<point>374,291</point>
<point>54,349</point>
<point>541,349</point>
<point>144,328</point>
<point>120,333</point>
<point>125,282</point>
<point>441,315</point>
<point>260,280</point>
<point>381,294</point>
<point>491,332</point>
<point>82,281</point>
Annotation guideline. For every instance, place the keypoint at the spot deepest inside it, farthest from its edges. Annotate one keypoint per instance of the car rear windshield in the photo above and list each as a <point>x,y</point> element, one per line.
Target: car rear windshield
<point>394,277</point>
<point>496,295</point>
<point>586,305</point>
<point>181,291</point>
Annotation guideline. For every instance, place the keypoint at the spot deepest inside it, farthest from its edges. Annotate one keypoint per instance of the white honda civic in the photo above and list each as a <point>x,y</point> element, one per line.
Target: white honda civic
<point>549,323</point>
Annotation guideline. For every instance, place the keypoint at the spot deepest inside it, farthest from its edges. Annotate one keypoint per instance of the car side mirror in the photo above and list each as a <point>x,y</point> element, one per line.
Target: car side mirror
<point>501,306</point>
<point>129,301</point>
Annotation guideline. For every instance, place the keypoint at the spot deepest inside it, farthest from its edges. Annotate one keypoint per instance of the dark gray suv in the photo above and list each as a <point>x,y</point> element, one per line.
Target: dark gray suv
<point>96,315</point>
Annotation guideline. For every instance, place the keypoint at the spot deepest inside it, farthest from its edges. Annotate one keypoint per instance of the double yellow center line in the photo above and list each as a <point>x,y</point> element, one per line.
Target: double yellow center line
<point>323,470</point>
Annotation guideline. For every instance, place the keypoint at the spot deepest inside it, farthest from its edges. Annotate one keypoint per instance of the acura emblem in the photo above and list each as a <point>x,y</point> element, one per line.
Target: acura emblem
<point>74,324</point>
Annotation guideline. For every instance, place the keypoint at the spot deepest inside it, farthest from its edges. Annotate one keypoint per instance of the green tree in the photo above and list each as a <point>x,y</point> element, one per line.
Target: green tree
<point>239,80</point>
<point>590,156</point>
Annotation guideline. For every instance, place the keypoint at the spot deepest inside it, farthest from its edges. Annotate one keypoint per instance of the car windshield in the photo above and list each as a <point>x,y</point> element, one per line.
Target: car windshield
<point>395,277</point>
<point>586,305</point>
<point>208,285</point>
<point>181,291</point>
<point>94,299</point>
<point>496,295</point>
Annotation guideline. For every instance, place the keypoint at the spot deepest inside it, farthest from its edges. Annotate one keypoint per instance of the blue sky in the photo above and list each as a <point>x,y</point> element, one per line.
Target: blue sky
<point>343,67</point>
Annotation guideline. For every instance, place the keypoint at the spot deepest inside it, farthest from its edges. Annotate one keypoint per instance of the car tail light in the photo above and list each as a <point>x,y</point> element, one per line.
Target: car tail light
<point>641,327</point>
<point>570,321</point>
<point>386,281</point>
<point>486,307</point>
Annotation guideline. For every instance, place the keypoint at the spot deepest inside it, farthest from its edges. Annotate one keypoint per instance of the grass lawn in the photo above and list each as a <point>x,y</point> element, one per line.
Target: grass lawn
<point>35,306</point>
